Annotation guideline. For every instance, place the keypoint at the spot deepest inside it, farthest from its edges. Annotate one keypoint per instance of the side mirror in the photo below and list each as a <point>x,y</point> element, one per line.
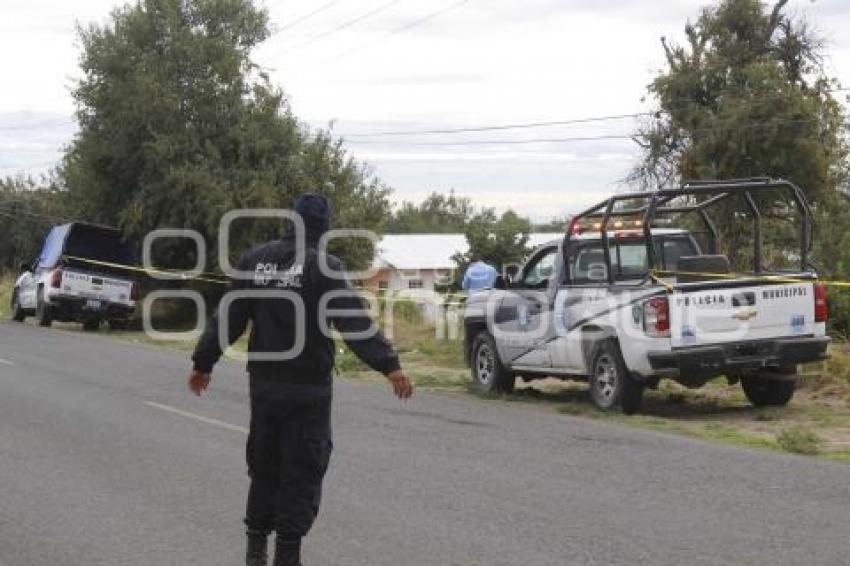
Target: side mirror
<point>502,282</point>
<point>511,271</point>
<point>25,267</point>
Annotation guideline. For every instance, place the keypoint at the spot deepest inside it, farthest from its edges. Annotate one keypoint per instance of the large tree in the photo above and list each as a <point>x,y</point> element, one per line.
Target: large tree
<point>497,240</point>
<point>746,96</point>
<point>178,125</point>
<point>438,214</point>
<point>27,211</point>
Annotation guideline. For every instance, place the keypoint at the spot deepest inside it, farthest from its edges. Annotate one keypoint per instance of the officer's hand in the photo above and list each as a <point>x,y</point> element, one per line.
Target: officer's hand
<point>198,382</point>
<point>402,387</point>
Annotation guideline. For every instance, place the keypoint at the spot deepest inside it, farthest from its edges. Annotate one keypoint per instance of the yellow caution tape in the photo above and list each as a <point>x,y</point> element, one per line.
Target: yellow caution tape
<point>661,281</point>
<point>659,274</point>
<point>206,277</point>
<point>180,275</point>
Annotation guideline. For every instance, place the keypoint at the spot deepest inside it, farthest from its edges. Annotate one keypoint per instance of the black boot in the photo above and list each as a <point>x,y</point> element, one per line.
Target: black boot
<point>287,551</point>
<point>258,552</point>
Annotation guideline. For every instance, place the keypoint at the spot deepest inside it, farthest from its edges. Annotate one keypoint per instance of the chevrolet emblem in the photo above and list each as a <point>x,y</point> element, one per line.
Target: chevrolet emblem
<point>744,316</point>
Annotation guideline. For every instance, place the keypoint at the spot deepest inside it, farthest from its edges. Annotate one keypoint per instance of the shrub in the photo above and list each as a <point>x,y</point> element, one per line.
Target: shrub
<point>800,440</point>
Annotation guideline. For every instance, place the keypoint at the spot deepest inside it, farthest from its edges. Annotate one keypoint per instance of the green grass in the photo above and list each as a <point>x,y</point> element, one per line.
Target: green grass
<point>431,362</point>
<point>800,440</point>
<point>718,413</point>
<point>7,283</point>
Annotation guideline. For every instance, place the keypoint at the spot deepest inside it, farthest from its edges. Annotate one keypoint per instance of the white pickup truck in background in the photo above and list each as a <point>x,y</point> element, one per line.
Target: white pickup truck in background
<point>623,303</point>
<point>75,279</point>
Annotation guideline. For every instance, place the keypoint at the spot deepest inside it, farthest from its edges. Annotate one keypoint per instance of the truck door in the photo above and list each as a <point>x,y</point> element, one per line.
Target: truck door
<point>27,287</point>
<point>582,300</point>
<point>50,254</point>
<point>524,324</point>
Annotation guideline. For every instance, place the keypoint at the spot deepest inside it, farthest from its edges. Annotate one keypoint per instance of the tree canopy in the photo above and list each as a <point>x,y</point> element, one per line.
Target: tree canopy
<point>27,211</point>
<point>178,125</point>
<point>438,214</point>
<point>497,240</point>
<point>747,96</point>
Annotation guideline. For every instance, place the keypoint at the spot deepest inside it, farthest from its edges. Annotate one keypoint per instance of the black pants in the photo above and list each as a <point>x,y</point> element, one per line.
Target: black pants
<point>289,448</point>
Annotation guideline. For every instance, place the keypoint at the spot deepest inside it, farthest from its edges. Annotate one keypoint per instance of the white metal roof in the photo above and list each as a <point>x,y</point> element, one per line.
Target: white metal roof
<point>433,251</point>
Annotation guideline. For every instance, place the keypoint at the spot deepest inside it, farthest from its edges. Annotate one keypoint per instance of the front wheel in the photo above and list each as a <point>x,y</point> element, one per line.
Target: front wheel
<point>91,325</point>
<point>489,375</point>
<point>766,390</point>
<point>18,313</point>
<point>611,385</point>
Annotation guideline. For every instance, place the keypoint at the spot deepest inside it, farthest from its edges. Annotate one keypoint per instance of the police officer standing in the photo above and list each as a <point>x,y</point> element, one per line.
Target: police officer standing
<point>289,443</point>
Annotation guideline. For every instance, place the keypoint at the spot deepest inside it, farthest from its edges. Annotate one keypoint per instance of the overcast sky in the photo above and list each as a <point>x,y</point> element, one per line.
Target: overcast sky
<point>370,66</point>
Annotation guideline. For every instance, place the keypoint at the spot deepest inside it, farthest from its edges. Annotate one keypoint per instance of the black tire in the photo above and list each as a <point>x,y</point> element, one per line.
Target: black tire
<point>91,325</point>
<point>18,313</point>
<point>489,375</point>
<point>770,389</point>
<point>119,325</point>
<point>43,311</point>
<point>611,385</point>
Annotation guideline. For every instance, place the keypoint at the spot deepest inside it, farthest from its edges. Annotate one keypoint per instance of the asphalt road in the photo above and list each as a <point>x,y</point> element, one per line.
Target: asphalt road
<point>105,459</point>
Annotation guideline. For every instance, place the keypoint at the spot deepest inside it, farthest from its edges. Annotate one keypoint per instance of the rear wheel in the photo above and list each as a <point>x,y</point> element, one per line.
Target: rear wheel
<point>610,383</point>
<point>489,375</point>
<point>43,311</point>
<point>91,325</point>
<point>770,389</point>
<point>116,324</point>
<point>18,313</point>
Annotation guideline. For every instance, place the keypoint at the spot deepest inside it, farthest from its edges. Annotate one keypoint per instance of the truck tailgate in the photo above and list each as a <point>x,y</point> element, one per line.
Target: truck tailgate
<point>722,315</point>
<point>97,287</point>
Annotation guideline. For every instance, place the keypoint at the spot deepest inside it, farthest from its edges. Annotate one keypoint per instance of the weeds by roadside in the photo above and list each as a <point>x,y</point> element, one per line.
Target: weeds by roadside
<point>800,440</point>
<point>7,283</point>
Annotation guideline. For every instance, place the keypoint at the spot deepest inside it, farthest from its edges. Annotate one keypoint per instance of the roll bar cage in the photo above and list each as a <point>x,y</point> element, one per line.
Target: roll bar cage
<point>715,192</point>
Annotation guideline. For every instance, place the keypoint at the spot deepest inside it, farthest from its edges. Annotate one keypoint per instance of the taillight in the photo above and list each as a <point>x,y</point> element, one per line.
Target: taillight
<point>821,306</point>
<point>56,278</point>
<point>656,317</point>
<point>135,292</point>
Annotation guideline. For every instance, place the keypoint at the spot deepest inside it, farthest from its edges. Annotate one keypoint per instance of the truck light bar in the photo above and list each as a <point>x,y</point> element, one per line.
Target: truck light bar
<point>589,225</point>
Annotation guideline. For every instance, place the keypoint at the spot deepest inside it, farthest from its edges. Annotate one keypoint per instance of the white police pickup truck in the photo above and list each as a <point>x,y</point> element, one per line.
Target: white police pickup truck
<point>622,302</point>
<point>76,278</point>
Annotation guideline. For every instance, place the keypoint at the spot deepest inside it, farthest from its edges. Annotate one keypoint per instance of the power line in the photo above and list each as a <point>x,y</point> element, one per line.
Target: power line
<point>347,24</point>
<point>306,16</point>
<point>498,142</point>
<point>423,20</point>
<point>503,126</point>
<point>755,125</point>
<point>543,124</point>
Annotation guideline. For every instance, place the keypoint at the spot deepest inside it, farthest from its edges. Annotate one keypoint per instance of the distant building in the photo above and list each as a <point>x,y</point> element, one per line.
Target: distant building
<point>421,261</point>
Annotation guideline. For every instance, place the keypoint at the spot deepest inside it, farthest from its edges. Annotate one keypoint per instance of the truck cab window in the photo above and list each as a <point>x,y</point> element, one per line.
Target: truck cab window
<point>628,259</point>
<point>540,270</point>
<point>587,264</point>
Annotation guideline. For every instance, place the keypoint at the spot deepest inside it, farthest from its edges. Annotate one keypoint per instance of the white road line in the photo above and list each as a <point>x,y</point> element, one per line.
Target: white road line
<point>6,362</point>
<point>200,418</point>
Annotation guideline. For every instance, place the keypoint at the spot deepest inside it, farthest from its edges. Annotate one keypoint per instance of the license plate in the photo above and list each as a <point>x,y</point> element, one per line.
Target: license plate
<point>94,305</point>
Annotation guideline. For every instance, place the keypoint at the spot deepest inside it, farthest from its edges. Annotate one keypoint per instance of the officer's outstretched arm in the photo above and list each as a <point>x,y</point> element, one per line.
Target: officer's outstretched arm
<point>363,336</point>
<point>209,348</point>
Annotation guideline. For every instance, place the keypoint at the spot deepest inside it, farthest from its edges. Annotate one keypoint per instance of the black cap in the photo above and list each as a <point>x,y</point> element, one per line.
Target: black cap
<point>315,211</point>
